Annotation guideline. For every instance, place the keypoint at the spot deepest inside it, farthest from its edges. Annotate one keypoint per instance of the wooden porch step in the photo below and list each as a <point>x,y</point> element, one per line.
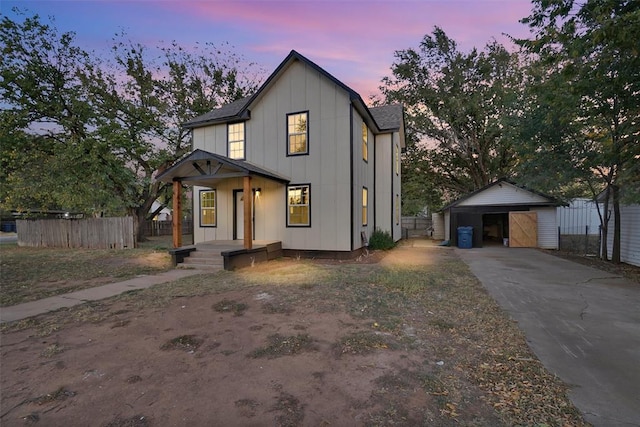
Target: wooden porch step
<point>204,259</point>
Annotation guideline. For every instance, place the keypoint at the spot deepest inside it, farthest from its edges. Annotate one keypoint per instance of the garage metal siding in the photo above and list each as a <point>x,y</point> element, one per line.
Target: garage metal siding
<point>629,235</point>
<point>547,228</point>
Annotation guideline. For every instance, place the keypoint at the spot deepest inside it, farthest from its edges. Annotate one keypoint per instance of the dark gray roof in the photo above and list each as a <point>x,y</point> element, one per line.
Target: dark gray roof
<point>224,113</point>
<point>197,166</point>
<point>391,115</point>
<point>551,201</point>
<point>388,117</point>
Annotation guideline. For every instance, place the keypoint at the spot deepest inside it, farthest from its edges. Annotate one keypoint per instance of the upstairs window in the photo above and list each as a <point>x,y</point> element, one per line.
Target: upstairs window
<point>365,142</point>
<point>235,136</point>
<point>397,209</point>
<point>297,133</point>
<point>207,208</point>
<point>397,160</point>
<point>298,206</point>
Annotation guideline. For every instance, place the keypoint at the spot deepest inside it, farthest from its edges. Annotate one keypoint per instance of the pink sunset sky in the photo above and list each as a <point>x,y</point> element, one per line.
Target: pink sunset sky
<point>354,40</point>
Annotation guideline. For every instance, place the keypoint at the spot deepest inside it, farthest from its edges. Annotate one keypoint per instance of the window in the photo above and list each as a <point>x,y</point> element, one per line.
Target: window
<point>298,212</point>
<point>365,142</point>
<point>207,208</point>
<point>235,135</point>
<point>297,134</point>
<point>397,209</point>
<point>365,205</point>
<point>397,160</point>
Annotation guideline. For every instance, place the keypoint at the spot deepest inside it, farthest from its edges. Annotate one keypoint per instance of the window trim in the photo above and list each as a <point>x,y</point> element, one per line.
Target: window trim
<point>287,205</point>
<point>215,207</point>
<point>302,153</point>
<point>365,207</point>
<point>365,142</point>
<point>244,141</point>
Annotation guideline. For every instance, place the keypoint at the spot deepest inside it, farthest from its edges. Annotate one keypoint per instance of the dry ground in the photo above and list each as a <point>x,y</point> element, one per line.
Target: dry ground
<point>28,274</point>
<point>405,338</point>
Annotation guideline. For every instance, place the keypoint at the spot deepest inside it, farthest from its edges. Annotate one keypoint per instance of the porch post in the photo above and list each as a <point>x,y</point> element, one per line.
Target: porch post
<point>248,201</point>
<point>177,214</point>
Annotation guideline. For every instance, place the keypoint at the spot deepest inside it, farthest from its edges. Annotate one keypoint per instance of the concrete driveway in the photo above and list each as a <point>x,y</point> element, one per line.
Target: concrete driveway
<point>582,323</point>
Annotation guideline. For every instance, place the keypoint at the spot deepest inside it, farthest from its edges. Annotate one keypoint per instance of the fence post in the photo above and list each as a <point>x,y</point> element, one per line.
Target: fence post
<point>586,239</point>
<point>559,239</point>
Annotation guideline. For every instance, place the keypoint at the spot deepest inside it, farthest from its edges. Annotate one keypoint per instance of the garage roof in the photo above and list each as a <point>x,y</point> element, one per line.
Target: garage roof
<point>504,192</point>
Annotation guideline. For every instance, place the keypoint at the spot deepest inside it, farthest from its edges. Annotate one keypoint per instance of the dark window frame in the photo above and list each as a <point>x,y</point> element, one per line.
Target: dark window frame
<point>302,153</point>
<point>365,208</point>
<point>287,220</point>
<point>365,142</point>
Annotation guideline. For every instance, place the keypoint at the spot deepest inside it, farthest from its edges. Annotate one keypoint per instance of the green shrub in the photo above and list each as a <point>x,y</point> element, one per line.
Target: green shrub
<point>381,240</point>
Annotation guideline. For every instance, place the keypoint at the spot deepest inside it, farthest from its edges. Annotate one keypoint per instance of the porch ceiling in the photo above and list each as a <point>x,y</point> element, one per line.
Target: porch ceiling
<point>204,168</point>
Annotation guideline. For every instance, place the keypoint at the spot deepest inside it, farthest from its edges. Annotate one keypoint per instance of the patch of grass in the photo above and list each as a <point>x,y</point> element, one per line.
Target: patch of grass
<point>247,407</point>
<point>291,411</point>
<point>52,350</point>
<point>280,345</point>
<point>276,308</point>
<point>135,421</point>
<point>133,379</point>
<point>442,324</point>
<point>58,395</point>
<point>183,342</point>
<point>230,306</point>
<point>361,343</point>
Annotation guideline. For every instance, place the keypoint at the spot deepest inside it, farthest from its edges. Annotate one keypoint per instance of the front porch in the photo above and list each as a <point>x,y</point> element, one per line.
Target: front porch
<point>228,254</point>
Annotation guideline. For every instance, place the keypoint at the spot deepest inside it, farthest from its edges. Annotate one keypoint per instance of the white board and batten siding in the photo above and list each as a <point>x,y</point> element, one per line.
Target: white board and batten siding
<point>437,221</point>
<point>547,227</point>
<point>503,194</point>
<point>629,235</point>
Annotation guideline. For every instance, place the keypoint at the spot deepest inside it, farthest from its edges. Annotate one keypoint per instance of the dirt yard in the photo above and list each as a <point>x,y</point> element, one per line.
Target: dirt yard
<point>404,338</point>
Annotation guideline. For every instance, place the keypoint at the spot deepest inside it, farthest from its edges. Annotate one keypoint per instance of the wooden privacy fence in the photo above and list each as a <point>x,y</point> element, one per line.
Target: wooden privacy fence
<point>165,228</point>
<point>91,233</point>
<point>416,226</point>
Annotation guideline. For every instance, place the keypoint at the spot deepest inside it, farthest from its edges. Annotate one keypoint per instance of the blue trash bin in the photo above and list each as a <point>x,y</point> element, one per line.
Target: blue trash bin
<point>465,237</point>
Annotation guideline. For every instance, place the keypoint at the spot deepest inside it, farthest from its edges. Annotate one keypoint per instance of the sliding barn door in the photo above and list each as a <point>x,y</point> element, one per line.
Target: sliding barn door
<point>523,229</point>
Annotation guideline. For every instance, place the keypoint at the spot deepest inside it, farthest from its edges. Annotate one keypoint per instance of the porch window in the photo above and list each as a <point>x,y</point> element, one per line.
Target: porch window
<point>235,136</point>
<point>207,208</point>
<point>298,203</point>
<point>365,205</point>
<point>365,142</point>
<point>297,133</point>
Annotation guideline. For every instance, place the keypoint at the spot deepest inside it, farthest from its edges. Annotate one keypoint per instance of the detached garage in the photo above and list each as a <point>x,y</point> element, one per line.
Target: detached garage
<point>503,212</point>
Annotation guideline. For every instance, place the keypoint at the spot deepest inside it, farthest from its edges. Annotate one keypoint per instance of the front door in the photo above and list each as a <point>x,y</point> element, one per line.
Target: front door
<point>238,220</point>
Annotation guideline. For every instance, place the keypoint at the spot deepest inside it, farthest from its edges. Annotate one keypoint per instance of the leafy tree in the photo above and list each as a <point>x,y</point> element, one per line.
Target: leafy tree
<point>456,105</point>
<point>46,121</point>
<point>587,100</point>
<point>104,127</point>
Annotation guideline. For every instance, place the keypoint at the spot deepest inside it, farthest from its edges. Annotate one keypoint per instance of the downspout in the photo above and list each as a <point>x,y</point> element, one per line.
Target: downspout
<point>351,172</point>
<point>375,187</point>
<point>393,174</point>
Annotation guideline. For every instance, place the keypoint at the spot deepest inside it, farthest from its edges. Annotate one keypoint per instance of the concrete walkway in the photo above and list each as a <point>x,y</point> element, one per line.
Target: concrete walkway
<point>34,308</point>
<point>582,323</point>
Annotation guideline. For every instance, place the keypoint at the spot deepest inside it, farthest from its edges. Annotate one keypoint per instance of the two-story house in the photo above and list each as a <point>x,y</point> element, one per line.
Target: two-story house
<point>303,162</point>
